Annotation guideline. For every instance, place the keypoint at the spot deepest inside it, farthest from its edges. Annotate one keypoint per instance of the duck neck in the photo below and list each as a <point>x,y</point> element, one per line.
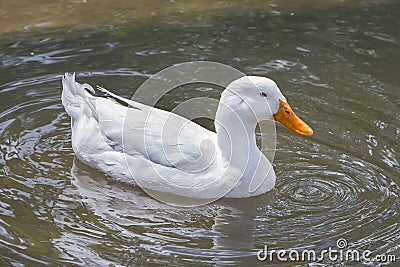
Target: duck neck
<point>235,133</point>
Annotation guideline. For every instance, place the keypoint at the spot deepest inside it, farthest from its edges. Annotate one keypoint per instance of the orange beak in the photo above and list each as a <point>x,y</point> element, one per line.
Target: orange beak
<point>289,119</point>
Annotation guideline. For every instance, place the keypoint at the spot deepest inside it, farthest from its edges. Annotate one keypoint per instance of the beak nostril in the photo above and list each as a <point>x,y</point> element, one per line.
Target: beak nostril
<point>287,111</point>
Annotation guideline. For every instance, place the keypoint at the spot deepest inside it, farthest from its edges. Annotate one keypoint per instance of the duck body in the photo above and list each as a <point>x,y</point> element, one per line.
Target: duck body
<point>137,144</point>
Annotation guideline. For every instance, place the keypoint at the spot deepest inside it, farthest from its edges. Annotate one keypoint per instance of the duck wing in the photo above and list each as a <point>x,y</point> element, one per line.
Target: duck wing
<point>160,136</point>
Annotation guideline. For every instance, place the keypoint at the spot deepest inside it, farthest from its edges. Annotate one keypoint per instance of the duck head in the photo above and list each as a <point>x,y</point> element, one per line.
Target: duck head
<point>259,98</point>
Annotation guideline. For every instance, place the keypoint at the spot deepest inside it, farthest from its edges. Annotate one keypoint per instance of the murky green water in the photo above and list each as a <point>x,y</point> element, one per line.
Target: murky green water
<point>338,65</point>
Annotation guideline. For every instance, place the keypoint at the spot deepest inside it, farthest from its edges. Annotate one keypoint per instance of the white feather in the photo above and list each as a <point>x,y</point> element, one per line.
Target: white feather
<point>140,144</point>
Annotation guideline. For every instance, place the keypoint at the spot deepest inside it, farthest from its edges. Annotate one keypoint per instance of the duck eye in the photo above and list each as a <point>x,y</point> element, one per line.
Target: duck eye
<point>263,94</point>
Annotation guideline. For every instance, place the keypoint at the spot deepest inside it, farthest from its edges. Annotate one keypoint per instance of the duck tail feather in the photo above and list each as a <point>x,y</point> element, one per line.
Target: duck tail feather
<point>75,96</point>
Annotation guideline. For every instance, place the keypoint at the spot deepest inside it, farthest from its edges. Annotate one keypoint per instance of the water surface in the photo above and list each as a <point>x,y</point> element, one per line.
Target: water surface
<point>338,66</point>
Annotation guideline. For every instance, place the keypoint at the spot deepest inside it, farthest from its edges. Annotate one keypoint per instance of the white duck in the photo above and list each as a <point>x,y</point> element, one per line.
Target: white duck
<point>164,152</point>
